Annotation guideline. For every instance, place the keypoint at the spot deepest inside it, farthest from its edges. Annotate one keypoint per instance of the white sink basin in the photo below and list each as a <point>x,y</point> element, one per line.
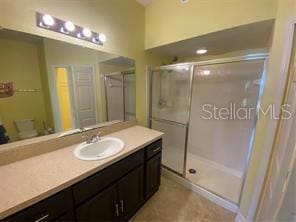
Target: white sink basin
<point>105,147</point>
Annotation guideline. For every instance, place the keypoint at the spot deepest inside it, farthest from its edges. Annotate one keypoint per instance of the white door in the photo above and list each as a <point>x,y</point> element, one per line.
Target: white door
<point>84,95</point>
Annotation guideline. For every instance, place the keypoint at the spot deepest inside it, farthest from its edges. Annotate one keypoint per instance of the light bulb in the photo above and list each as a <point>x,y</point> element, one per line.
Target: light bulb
<point>48,20</point>
<point>86,32</point>
<point>201,51</point>
<point>70,27</point>
<point>102,37</point>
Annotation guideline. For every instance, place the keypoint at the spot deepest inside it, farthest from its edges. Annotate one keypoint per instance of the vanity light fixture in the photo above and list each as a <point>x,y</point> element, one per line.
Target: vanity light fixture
<point>49,22</point>
<point>201,51</point>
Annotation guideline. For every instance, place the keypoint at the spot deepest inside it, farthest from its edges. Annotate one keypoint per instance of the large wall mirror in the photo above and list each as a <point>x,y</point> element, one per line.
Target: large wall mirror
<point>49,86</point>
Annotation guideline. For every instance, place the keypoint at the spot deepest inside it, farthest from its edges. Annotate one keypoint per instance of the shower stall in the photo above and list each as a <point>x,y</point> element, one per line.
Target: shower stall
<point>208,112</point>
<point>120,91</point>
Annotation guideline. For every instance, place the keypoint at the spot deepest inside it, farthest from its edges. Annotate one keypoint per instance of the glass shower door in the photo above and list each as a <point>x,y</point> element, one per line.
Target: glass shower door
<point>129,96</point>
<point>170,93</point>
<point>114,97</point>
<point>223,113</point>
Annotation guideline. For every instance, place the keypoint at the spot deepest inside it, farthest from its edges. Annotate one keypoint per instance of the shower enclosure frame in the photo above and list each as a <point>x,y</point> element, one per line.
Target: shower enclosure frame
<point>123,73</point>
<point>192,65</point>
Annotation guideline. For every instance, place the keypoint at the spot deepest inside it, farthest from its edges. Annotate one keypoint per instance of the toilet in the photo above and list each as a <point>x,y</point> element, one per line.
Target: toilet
<point>26,128</point>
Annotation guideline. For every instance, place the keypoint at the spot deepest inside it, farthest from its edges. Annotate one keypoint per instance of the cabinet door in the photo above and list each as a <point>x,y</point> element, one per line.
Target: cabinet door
<point>102,207</point>
<point>130,193</point>
<point>152,175</point>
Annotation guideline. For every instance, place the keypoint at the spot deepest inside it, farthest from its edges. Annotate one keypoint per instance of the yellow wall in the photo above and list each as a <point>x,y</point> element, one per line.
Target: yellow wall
<point>19,63</point>
<point>278,60</point>
<point>169,21</point>
<point>64,98</point>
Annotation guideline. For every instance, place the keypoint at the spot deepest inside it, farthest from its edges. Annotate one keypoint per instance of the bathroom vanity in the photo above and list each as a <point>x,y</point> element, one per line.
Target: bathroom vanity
<point>109,190</point>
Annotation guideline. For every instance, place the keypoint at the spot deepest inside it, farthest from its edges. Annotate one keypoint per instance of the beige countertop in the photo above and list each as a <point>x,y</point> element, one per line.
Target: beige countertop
<point>28,181</point>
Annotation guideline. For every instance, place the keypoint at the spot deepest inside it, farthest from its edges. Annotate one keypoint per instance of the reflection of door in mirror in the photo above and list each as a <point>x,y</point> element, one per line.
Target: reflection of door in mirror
<point>76,97</point>
<point>85,96</point>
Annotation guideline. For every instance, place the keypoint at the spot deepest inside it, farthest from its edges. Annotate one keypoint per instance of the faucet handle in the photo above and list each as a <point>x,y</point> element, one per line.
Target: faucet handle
<point>84,136</point>
<point>99,134</point>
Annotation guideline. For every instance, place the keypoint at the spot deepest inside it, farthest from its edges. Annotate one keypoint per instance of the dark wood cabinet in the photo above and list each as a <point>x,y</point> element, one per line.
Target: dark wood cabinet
<point>117,203</point>
<point>113,194</point>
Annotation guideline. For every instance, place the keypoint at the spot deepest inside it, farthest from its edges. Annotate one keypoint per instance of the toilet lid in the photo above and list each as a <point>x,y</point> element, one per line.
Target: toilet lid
<point>28,134</point>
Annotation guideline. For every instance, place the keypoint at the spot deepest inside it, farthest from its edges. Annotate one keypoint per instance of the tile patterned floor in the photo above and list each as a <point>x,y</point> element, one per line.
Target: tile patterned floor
<point>175,203</point>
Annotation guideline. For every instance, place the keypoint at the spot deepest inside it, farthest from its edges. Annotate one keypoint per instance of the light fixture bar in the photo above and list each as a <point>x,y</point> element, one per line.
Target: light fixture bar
<point>49,22</point>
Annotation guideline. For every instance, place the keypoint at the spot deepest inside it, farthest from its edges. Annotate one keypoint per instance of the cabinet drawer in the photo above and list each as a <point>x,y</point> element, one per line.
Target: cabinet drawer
<point>153,149</point>
<point>46,210</point>
<point>96,183</point>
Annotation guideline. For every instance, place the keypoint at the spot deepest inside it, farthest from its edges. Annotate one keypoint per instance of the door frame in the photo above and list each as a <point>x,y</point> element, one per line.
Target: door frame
<point>277,127</point>
<point>54,96</point>
<point>272,127</point>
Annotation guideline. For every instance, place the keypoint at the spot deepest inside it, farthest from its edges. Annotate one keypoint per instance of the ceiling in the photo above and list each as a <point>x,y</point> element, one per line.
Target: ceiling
<point>252,36</point>
<point>145,2</point>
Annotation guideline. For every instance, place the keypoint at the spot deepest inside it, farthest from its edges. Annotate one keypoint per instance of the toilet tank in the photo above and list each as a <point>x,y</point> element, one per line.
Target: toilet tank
<point>25,125</point>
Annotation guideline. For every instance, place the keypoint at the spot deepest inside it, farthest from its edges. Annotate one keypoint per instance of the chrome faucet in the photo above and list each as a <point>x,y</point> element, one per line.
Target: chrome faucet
<point>94,138</point>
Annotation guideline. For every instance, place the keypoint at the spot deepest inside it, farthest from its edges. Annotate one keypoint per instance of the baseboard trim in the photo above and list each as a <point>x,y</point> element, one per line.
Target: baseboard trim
<point>203,192</point>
